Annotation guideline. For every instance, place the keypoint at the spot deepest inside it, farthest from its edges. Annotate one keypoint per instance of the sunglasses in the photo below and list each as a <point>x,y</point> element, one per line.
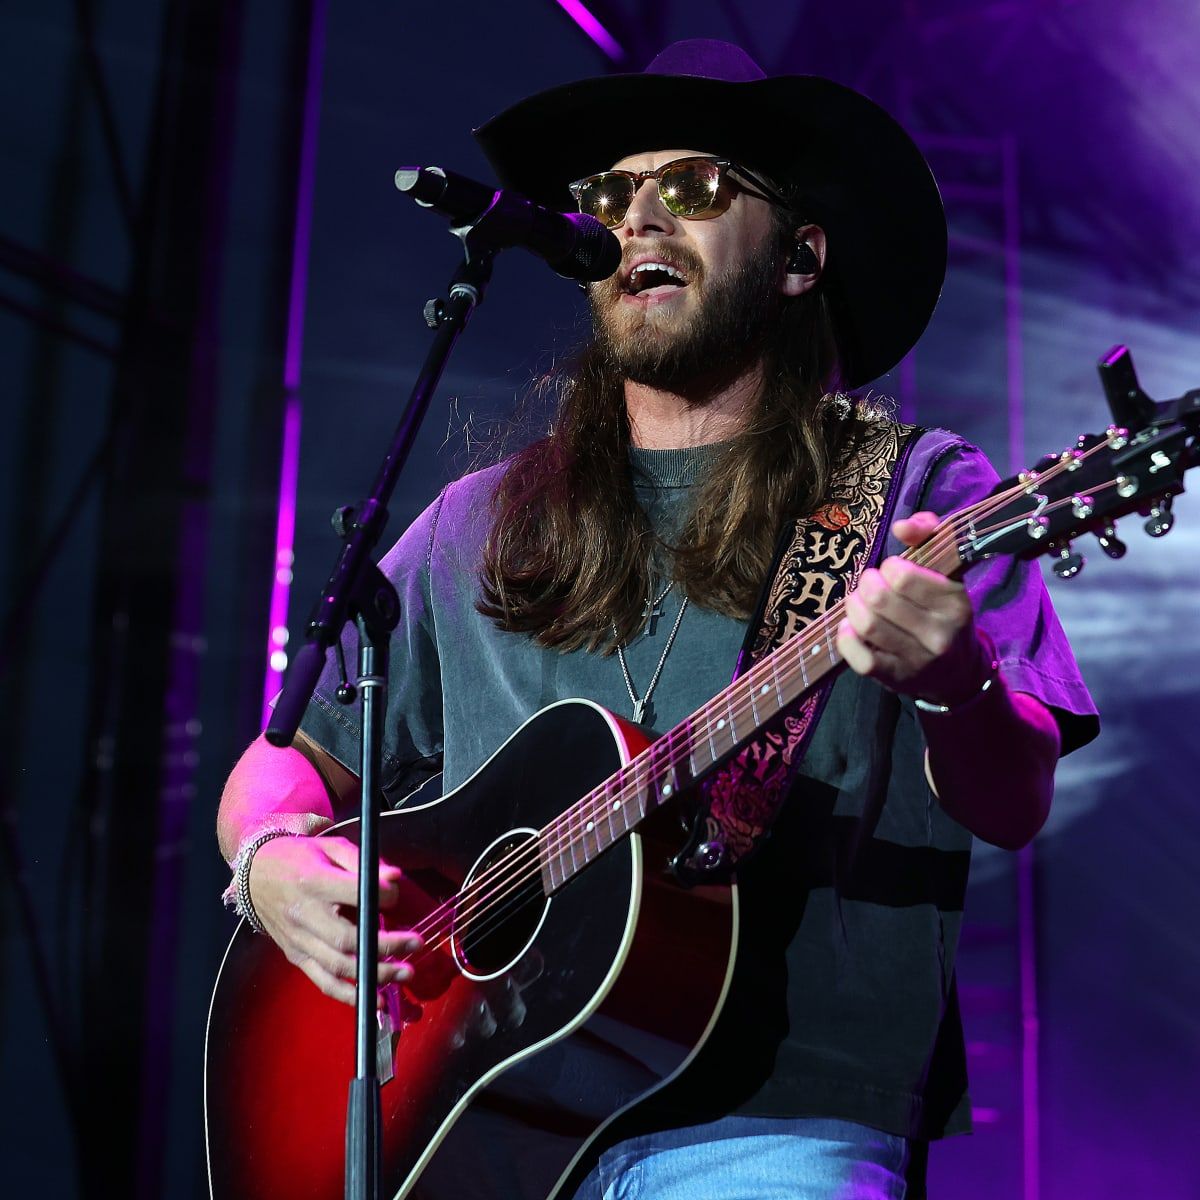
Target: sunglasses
<point>688,187</point>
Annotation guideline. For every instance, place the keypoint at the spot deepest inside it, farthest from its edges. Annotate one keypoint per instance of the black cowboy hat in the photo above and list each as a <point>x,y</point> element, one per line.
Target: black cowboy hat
<point>853,170</point>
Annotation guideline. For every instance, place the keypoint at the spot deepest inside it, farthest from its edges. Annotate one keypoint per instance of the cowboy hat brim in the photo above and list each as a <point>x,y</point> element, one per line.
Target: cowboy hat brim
<point>854,169</point>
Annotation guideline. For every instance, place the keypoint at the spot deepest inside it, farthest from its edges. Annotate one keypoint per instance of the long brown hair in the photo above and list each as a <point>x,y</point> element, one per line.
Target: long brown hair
<point>571,554</point>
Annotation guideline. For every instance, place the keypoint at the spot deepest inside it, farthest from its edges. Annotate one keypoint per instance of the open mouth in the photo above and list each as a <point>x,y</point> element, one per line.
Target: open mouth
<point>652,278</point>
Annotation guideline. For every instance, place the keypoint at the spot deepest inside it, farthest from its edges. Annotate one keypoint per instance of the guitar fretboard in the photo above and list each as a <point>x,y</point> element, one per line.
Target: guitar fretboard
<point>697,745</point>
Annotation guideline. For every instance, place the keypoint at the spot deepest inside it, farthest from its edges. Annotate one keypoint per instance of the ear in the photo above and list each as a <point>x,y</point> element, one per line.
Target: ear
<point>796,284</point>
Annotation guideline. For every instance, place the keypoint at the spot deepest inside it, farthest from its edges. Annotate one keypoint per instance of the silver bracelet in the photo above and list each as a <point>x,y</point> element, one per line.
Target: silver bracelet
<point>237,895</point>
<point>928,706</point>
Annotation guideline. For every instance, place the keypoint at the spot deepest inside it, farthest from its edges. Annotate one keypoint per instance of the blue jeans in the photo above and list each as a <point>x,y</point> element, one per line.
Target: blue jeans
<point>754,1158</point>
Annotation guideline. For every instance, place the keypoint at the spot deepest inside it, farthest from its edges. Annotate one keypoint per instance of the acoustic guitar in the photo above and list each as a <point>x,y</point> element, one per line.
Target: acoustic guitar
<point>565,975</point>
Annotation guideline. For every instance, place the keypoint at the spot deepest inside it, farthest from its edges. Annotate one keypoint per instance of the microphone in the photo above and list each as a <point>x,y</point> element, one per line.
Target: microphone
<point>576,246</point>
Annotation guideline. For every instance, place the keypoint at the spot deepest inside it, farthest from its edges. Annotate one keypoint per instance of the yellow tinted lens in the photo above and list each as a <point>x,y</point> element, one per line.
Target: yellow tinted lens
<point>606,197</point>
<point>689,188</point>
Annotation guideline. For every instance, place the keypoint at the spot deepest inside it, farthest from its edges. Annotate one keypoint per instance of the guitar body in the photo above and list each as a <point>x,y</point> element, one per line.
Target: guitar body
<point>525,1031</point>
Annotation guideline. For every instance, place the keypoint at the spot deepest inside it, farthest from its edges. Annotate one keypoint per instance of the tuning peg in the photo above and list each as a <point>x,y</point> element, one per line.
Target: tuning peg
<point>1161,517</point>
<point>1110,543</point>
<point>1069,564</point>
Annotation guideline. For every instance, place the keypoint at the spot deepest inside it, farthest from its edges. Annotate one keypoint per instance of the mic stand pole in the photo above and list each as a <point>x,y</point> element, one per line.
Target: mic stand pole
<point>357,590</point>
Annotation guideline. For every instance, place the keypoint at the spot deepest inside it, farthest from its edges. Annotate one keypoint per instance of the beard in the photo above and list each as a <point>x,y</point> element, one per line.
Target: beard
<point>727,334</point>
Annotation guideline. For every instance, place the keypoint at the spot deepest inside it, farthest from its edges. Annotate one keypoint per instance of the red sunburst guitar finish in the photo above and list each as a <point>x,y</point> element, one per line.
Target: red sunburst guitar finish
<point>564,978</point>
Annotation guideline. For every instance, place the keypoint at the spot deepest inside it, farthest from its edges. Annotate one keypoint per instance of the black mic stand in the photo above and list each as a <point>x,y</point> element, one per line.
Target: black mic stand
<point>357,590</point>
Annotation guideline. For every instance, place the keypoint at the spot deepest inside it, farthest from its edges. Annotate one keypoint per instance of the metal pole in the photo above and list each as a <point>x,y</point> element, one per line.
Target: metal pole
<point>1025,868</point>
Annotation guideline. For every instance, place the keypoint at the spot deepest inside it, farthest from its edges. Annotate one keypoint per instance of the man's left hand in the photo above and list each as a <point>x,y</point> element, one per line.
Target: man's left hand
<point>913,629</point>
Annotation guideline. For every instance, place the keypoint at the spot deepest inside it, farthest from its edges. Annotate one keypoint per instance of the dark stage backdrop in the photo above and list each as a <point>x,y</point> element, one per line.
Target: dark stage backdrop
<point>1063,136</point>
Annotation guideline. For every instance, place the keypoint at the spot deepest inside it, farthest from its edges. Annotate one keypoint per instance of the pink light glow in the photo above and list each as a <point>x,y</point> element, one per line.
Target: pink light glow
<point>289,464</point>
<point>592,27</point>
<point>285,535</point>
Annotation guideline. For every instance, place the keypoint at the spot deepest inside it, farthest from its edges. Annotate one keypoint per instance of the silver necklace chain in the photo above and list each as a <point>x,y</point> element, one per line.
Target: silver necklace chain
<point>639,705</point>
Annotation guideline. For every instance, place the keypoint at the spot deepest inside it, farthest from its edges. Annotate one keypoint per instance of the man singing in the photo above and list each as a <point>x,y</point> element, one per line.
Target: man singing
<point>783,242</point>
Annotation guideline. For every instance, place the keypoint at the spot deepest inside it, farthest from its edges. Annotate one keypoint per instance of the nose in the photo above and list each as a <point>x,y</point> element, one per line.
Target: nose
<point>646,213</point>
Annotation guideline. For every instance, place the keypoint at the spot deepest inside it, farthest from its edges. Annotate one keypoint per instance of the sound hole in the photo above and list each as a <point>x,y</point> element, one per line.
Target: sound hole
<point>500,906</point>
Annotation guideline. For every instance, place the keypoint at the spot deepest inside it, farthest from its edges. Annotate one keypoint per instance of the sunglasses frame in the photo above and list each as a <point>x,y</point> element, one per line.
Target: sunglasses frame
<point>723,165</point>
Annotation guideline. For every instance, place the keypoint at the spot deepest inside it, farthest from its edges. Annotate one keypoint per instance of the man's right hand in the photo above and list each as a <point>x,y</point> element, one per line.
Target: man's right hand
<point>305,892</point>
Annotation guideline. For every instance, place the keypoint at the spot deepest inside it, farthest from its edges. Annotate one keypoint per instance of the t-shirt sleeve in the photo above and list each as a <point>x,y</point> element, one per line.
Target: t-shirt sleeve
<point>1011,602</point>
<point>413,735</point>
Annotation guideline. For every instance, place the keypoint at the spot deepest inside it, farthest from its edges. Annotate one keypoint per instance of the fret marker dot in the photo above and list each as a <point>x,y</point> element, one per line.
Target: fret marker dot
<point>816,650</point>
<point>667,789</point>
<point>590,826</point>
<point>766,687</point>
<point>721,723</point>
<point>616,804</point>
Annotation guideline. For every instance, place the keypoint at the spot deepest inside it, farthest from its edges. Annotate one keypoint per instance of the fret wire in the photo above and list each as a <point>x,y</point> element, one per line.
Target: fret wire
<point>796,652</point>
<point>610,812</point>
<point>562,841</point>
<point>708,724</point>
<point>572,842</point>
<point>684,748</point>
<point>589,816</point>
<point>775,680</point>
<point>664,774</point>
<point>575,827</point>
<point>710,732</point>
<point>719,724</point>
<point>642,779</point>
<point>639,775</point>
<point>551,861</point>
<point>739,697</point>
<point>644,775</point>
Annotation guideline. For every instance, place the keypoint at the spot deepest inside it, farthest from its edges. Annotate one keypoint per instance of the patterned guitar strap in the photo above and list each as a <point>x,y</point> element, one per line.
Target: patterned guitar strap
<point>818,561</point>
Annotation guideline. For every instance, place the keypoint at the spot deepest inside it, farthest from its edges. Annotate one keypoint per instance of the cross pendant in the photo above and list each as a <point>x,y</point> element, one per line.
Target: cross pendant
<point>652,613</point>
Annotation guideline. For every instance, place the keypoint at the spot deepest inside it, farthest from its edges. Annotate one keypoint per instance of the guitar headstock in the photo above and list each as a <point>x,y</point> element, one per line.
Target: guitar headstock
<point>1085,489</point>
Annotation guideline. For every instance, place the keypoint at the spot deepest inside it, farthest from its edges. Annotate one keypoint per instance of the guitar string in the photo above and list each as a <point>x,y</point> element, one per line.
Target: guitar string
<point>938,542</point>
<point>637,777</point>
<point>930,550</point>
<point>933,548</point>
<point>589,808</point>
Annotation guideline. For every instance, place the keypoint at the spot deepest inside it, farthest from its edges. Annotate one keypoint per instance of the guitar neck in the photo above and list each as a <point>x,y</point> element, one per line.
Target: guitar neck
<point>697,745</point>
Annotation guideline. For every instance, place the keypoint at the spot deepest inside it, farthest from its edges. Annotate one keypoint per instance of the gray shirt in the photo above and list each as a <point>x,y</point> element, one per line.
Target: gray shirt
<point>843,1002</point>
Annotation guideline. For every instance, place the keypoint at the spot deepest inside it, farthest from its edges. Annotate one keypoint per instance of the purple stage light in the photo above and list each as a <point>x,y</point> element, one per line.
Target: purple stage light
<point>590,25</point>
<point>285,530</point>
<point>289,464</point>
